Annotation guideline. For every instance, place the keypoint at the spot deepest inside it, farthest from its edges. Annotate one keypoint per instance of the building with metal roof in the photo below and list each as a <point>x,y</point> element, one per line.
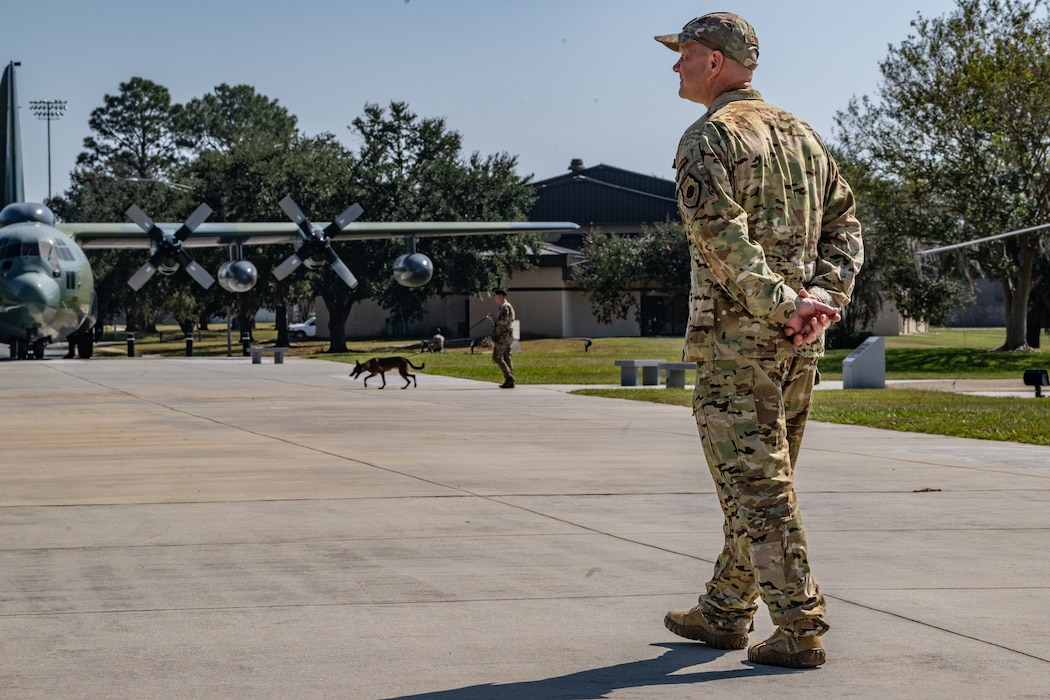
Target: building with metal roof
<point>603,199</point>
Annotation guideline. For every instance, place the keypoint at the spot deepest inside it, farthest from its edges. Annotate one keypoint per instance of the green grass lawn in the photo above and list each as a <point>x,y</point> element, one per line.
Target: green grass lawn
<point>947,353</point>
<point>932,412</point>
<point>944,353</point>
<point>552,361</point>
<point>941,354</point>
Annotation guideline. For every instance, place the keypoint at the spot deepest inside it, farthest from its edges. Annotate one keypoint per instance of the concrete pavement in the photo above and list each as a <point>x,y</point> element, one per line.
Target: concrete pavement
<point>209,528</point>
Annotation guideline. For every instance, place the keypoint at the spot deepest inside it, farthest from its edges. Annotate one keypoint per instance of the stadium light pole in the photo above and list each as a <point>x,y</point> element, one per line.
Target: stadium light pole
<point>51,110</point>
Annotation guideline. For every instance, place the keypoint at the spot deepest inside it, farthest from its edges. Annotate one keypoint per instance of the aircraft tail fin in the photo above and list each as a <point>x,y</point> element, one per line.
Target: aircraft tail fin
<point>11,185</point>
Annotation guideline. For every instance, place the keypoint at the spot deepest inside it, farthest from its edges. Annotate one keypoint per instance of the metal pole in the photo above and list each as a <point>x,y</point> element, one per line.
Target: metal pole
<point>51,110</point>
<point>49,159</point>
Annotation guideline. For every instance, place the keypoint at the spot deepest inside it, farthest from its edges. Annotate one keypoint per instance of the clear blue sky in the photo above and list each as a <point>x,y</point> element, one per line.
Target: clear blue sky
<point>545,80</point>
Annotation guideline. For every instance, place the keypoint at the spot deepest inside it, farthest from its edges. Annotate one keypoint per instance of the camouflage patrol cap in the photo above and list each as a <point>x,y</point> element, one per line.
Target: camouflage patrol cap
<point>722,31</point>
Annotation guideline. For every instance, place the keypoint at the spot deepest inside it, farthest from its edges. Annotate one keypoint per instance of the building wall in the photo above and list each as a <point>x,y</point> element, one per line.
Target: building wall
<point>890,322</point>
<point>369,320</point>
<point>987,310</point>
<point>547,307</point>
<point>562,313</point>
<point>584,324</point>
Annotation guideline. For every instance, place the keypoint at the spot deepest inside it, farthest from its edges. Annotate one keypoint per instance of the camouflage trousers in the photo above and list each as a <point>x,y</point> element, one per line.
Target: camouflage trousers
<point>501,355</point>
<point>751,414</point>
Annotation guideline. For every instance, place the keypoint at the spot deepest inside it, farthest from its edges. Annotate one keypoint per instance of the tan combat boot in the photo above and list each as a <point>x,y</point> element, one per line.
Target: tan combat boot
<point>787,650</point>
<point>692,624</point>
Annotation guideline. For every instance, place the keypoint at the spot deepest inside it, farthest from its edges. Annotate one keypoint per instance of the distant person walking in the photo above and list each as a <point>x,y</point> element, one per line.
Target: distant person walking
<point>775,247</point>
<point>503,338</point>
<point>437,342</point>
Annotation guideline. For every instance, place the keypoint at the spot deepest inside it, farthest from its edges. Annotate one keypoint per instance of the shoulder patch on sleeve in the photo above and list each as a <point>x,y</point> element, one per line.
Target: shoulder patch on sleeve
<point>689,191</point>
<point>693,187</point>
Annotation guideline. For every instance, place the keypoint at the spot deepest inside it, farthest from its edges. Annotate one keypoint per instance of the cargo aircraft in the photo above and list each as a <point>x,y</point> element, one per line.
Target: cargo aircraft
<point>47,290</point>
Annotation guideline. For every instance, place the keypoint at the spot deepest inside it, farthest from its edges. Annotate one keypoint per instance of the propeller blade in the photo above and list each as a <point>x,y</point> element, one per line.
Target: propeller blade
<point>290,265</point>
<point>316,243</point>
<point>141,218</point>
<point>344,273</point>
<point>292,210</point>
<point>343,219</point>
<point>198,273</point>
<point>196,219</point>
<point>142,276</point>
<point>167,248</point>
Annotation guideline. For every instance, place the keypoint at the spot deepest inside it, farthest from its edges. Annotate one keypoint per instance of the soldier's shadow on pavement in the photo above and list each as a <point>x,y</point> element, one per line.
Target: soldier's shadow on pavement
<point>600,682</point>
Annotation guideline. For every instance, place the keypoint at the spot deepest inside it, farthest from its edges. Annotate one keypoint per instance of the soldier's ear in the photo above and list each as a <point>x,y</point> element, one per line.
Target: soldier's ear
<point>717,59</point>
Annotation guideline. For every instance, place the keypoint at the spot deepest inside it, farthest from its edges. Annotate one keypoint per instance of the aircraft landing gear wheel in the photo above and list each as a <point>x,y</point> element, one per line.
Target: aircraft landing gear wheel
<point>38,349</point>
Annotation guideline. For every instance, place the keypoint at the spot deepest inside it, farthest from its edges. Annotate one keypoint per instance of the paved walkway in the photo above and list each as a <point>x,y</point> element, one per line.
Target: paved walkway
<point>209,528</point>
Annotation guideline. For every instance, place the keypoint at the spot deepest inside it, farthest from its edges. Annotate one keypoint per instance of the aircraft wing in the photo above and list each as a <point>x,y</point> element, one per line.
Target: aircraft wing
<point>975,241</point>
<point>129,235</point>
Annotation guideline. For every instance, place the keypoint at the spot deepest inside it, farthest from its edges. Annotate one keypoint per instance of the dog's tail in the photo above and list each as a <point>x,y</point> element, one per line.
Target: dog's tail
<point>422,365</point>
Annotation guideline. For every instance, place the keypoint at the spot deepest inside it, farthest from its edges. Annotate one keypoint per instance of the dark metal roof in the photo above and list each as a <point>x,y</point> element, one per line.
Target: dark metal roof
<point>604,195</point>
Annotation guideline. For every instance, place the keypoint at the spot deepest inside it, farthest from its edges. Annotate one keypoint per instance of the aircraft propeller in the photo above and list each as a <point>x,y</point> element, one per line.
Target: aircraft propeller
<point>169,255</point>
<point>316,247</point>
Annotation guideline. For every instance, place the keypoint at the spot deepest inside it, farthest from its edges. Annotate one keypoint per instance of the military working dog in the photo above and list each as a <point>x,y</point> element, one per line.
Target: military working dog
<point>382,365</point>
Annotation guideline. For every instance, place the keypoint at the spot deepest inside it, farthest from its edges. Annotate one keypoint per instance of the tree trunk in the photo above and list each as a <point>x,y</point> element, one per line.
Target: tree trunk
<point>1035,327</point>
<point>281,321</point>
<point>338,312</point>
<point>1015,299</point>
<point>246,324</point>
<point>1039,306</point>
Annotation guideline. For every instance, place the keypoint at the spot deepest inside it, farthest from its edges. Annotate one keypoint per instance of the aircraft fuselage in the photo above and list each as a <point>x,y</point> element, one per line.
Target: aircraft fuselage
<point>47,290</point>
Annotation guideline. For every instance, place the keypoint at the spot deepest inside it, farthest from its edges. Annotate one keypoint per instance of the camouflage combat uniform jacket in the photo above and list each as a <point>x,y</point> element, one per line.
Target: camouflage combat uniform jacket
<point>766,213</point>
<point>503,325</point>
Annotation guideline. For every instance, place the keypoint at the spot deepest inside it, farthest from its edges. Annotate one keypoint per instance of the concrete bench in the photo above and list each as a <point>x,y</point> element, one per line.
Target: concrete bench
<point>676,373</point>
<point>629,372</point>
<point>278,355</point>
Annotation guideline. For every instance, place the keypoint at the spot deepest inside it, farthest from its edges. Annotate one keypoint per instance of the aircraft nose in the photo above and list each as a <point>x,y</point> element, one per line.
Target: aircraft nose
<point>37,294</point>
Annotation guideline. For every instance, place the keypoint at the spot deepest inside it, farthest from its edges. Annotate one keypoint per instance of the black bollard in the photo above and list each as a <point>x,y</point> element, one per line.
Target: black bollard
<point>131,345</point>
<point>189,345</point>
<point>246,341</point>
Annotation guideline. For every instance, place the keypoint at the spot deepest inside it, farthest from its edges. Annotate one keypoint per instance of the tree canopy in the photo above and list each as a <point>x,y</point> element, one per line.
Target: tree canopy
<point>958,135</point>
<point>619,267</point>
<point>230,116</point>
<point>133,134</point>
<point>241,152</point>
<point>408,168</point>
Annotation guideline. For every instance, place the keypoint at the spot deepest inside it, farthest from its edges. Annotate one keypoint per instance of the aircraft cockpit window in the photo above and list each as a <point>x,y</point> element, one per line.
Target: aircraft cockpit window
<point>47,252</point>
<point>64,253</point>
<point>30,249</point>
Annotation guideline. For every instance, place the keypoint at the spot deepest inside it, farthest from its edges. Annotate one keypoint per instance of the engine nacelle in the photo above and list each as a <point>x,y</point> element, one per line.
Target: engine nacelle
<point>238,276</point>
<point>168,266</point>
<point>413,270</point>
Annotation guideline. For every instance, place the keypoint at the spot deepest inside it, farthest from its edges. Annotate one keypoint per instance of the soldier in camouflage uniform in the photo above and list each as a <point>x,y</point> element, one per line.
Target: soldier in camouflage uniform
<point>775,247</point>
<point>503,338</point>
